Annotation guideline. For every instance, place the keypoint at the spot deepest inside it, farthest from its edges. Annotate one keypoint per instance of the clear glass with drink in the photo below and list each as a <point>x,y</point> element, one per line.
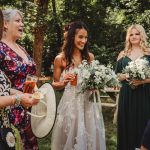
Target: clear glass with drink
<point>74,71</point>
<point>74,82</point>
<point>30,84</point>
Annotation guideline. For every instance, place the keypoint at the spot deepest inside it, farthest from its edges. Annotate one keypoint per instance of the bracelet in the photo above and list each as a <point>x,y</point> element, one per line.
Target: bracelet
<point>18,99</point>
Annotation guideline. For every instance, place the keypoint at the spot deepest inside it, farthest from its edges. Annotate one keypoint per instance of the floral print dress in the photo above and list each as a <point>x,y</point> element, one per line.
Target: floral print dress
<point>16,70</point>
<point>5,127</point>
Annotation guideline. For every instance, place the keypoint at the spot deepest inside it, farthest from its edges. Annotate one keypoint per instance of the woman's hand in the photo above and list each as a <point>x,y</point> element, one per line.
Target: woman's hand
<point>137,82</point>
<point>143,148</point>
<point>68,77</point>
<point>28,101</point>
<point>122,77</point>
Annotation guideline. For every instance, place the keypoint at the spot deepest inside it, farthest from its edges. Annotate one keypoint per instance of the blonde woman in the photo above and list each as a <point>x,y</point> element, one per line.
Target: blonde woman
<point>134,104</point>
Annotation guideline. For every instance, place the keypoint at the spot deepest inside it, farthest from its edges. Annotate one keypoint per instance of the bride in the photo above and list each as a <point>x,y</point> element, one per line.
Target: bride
<point>78,125</point>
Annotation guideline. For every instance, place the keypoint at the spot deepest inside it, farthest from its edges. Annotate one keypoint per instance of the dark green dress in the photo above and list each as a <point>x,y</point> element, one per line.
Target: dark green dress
<point>133,110</point>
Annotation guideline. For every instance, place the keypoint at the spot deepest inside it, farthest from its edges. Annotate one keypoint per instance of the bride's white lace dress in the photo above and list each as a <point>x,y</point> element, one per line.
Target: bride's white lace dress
<point>79,124</point>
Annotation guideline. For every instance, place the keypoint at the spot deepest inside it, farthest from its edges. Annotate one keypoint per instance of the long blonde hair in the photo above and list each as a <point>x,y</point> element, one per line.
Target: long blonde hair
<point>143,42</point>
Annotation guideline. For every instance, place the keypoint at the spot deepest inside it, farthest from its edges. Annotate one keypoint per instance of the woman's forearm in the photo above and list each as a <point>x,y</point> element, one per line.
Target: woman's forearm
<point>14,91</point>
<point>146,81</point>
<point>6,101</point>
<point>59,85</point>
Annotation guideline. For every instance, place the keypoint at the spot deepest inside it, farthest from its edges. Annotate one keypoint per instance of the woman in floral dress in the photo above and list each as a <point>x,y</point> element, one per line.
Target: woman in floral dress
<point>16,63</point>
<point>9,135</point>
<point>79,126</point>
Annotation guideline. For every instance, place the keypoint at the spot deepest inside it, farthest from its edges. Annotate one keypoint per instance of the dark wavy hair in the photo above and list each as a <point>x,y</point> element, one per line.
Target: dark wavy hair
<point>1,24</point>
<point>68,46</point>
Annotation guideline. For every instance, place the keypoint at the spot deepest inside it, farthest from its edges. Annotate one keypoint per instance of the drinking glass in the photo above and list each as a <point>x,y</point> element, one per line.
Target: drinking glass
<point>30,84</point>
<point>74,82</point>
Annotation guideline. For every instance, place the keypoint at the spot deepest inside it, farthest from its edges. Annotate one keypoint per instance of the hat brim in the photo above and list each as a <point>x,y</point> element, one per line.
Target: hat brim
<point>44,112</point>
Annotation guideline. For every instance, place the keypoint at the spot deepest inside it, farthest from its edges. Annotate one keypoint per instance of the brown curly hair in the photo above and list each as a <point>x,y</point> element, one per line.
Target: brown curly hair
<point>68,46</point>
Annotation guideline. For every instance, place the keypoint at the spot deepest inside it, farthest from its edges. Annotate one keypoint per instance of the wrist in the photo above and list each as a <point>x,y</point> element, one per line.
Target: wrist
<point>64,82</point>
<point>13,99</point>
<point>143,82</point>
<point>18,99</point>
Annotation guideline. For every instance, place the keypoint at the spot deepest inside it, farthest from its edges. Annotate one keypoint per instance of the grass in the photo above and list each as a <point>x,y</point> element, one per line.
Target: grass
<point>110,128</point>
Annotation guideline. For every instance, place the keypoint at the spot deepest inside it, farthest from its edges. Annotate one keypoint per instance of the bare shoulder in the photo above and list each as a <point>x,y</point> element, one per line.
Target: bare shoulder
<point>60,61</point>
<point>59,57</point>
<point>120,55</point>
<point>91,56</point>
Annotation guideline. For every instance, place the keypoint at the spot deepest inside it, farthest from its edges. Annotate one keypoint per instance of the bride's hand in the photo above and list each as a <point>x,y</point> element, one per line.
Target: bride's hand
<point>68,78</point>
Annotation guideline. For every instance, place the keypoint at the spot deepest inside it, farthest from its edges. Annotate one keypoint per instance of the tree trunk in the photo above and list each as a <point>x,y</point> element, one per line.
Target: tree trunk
<point>57,27</point>
<point>40,30</point>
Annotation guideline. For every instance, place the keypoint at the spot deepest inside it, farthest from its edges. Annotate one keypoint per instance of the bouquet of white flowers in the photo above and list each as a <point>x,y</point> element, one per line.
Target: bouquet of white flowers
<point>138,69</point>
<point>96,76</point>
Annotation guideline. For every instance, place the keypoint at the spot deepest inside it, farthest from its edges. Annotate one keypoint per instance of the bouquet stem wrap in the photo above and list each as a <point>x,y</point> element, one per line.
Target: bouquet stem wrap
<point>98,112</point>
<point>96,98</point>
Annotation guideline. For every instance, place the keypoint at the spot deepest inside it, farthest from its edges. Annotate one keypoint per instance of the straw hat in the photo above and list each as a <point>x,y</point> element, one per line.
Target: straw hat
<point>43,114</point>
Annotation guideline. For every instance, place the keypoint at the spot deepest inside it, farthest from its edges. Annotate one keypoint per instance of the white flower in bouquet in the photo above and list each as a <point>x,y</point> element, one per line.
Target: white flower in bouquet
<point>96,76</point>
<point>138,69</point>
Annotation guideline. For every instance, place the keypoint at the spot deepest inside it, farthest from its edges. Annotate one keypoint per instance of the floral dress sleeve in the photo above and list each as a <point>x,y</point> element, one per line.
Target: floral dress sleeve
<point>4,91</point>
<point>4,84</point>
<point>8,134</point>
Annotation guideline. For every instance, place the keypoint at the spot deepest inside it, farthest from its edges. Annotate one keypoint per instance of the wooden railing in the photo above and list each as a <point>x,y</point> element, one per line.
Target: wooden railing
<point>44,78</point>
<point>112,94</point>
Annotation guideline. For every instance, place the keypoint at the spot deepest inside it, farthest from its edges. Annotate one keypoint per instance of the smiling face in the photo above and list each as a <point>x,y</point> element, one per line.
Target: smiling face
<point>134,37</point>
<point>80,38</point>
<point>14,27</point>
